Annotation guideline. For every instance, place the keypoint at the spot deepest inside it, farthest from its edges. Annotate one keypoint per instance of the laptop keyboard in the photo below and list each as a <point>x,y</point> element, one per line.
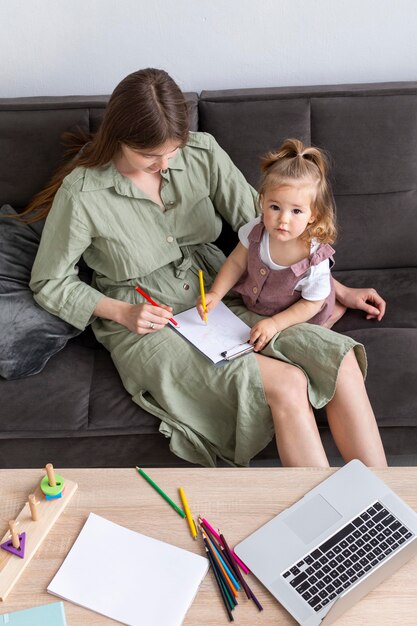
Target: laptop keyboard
<point>348,555</point>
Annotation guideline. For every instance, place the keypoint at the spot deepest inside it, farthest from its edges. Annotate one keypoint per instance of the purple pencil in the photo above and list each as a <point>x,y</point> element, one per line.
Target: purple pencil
<point>245,586</point>
<point>233,564</point>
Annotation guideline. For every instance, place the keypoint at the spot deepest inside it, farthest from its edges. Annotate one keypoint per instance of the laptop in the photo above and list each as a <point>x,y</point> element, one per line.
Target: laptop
<point>324,553</point>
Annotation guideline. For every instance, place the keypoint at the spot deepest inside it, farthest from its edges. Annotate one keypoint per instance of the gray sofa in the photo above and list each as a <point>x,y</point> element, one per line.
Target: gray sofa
<point>75,412</point>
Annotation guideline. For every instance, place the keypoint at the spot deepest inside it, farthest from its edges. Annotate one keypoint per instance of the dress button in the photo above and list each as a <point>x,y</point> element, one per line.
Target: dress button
<point>170,203</point>
<point>262,271</point>
<point>255,289</point>
<point>170,239</point>
<point>186,286</point>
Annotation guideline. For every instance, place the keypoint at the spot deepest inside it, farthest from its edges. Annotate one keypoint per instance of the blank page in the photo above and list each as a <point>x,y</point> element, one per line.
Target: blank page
<point>223,331</point>
<point>127,576</point>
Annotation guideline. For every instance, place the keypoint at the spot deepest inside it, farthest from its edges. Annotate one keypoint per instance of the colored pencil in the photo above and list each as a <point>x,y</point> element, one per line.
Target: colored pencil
<point>245,586</point>
<point>161,493</point>
<point>222,592</point>
<point>214,539</point>
<point>234,566</point>
<point>149,299</point>
<point>225,583</point>
<point>190,520</point>
<point>220,564</point>
<point>203,294</point>
<point>226,566</point>
<point>241,564</point>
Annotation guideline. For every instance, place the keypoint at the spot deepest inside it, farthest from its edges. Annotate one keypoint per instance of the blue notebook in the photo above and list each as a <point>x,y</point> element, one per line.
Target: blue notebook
<point>46,615</point>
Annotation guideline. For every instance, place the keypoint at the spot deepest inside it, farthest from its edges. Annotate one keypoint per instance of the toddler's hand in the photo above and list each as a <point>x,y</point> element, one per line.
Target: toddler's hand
<point>262,333</point>
<point>212,300</point>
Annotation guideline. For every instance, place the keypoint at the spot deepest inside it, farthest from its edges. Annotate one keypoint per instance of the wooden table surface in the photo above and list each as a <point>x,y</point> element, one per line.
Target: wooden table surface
<point>237,501</point>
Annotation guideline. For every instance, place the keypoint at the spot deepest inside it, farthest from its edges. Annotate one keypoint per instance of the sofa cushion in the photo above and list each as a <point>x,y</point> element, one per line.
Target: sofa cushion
<point>397,286</point>
<point>78,394</point>
<point>29,335</point>
<point>263,122</point>
<point>31,144</point>
<point>56,402</point>
<point>392,374</point>
<point>377,230</point>
<point>371,140</point>
<point>391,378</point>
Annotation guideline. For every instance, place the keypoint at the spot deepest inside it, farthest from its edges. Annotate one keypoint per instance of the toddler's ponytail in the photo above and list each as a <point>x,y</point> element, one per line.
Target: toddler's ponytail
<point>290,153</point>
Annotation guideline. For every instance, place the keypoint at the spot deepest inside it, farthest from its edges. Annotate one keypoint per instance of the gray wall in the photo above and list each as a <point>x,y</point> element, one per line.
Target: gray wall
<point>64,47</point>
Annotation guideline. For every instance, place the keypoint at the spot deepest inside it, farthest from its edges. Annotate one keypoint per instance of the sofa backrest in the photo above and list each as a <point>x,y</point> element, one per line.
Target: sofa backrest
<point>31,132</point>
<point>370,133</point>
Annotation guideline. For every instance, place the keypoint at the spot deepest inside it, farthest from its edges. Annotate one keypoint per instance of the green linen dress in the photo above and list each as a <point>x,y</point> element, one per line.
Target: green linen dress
<point>126,238</point>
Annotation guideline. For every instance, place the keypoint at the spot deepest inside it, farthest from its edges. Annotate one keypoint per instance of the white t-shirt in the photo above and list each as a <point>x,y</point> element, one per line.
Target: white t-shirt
<point>315,285</point>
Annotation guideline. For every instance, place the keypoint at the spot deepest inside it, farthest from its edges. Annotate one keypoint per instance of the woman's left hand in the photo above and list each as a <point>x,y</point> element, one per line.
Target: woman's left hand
<point>262,333</point>
<point>365,299</point>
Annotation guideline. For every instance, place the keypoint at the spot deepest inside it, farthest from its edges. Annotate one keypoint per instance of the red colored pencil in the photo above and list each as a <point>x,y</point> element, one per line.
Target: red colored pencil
<point>217,536</point>
<point>149,299</point>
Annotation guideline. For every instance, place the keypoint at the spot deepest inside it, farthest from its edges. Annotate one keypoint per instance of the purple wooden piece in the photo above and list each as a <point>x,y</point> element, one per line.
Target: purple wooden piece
<point>7,545</point>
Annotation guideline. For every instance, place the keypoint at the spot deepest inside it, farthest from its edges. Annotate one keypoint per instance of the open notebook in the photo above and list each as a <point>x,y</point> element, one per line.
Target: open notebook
<point>223,338</point>
<point>132,578</point>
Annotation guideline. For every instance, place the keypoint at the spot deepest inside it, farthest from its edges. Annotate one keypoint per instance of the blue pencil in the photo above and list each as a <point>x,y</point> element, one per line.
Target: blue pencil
<point>226,567</point>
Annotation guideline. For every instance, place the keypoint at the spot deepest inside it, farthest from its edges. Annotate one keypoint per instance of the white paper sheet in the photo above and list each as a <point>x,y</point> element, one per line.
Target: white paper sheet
<point>129,577</point>
<point>224,331</point>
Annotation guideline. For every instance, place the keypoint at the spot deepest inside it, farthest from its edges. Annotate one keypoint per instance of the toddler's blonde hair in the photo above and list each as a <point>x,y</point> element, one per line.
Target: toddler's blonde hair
<point>294,163</point>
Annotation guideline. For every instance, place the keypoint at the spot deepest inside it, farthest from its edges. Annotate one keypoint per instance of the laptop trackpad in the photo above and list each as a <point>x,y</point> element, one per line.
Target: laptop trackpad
<point>312,518</point>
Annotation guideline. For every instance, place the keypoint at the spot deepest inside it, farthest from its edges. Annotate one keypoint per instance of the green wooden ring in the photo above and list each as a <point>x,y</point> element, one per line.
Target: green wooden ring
<point>52,491</point>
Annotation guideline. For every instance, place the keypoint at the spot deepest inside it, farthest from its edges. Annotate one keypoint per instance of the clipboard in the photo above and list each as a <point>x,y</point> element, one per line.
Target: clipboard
<point>224,337</point>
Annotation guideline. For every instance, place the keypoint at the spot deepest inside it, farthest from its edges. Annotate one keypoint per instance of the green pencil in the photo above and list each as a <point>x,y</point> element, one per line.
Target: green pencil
<point>161,493</point>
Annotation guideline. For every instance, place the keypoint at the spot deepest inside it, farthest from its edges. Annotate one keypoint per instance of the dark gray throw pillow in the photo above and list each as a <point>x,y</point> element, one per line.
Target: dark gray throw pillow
<point>29,335</point>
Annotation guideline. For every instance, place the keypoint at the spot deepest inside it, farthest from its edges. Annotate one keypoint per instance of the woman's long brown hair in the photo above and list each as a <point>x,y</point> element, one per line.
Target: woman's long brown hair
<point>146,109</point>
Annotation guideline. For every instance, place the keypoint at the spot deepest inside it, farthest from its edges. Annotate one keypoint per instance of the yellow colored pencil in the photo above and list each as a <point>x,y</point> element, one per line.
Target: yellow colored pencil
<point>188,515</point>
<point>203,294</point>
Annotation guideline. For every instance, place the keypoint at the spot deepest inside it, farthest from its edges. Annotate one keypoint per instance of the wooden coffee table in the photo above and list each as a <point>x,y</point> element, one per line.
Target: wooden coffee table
<point>235,500</point>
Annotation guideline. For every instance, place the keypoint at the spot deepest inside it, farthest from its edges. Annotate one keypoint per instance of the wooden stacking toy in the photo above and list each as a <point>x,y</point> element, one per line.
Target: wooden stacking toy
<point>15,545</point>
<point>52,485</point>
<point>31,526</point>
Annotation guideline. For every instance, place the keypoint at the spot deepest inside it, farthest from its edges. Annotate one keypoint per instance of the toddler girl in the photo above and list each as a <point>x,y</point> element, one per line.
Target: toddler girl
<point>281,266</point>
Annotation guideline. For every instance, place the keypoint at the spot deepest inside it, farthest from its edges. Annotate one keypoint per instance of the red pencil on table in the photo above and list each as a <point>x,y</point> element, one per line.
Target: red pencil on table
<point>149,299</point>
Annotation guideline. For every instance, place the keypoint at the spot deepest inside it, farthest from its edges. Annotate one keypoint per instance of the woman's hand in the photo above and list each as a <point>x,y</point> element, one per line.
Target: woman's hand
<point>146,318</point>
<point>262,333</point>
<point>212,300</point>
<point>365,299</point>
<point>143,319</point>
<point>138,318</point>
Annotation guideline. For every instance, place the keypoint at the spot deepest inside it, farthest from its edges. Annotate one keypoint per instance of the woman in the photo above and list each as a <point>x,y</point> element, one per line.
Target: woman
<point>142,202</point>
